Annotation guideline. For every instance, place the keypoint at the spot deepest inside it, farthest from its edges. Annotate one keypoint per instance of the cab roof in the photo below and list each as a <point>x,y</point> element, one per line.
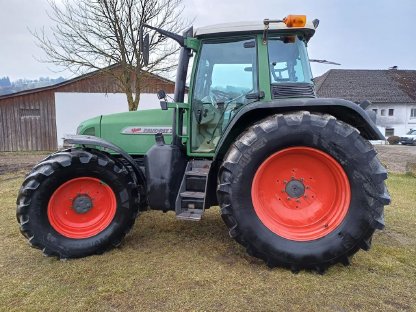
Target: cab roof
<point>251,27</point>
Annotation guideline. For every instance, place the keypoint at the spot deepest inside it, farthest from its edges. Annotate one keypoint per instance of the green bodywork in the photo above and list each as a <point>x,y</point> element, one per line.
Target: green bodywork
<point>110,127</point>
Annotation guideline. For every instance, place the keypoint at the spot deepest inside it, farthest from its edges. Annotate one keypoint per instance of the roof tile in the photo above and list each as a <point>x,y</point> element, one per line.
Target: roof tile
<point>381,86</point>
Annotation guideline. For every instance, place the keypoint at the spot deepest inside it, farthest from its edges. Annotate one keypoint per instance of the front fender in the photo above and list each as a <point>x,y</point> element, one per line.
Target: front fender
<point>343,110</point>
<point>96,141</point>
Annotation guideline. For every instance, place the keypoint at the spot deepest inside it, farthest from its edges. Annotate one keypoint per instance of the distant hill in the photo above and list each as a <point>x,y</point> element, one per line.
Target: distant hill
<point>5,82</point>
<point>9,87</point>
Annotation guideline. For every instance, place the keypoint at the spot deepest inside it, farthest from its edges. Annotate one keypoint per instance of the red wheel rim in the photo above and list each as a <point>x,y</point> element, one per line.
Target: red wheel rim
<point>301,193</point>
<point>82,207</point>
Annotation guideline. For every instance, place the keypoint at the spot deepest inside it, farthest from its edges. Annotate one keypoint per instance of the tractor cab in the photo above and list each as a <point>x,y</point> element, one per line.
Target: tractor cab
<point>227,75</point>
<point>235,65</point>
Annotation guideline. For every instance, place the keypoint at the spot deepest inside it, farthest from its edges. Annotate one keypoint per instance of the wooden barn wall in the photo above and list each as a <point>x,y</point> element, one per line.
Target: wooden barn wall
<point>27,122</point>
<point>99,83</point>
<point>152,84</point>
<point>102,83</point>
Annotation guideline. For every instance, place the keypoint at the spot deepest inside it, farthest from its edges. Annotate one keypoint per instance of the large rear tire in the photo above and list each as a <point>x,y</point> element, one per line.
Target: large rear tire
<point>77,203</point>
<point>303,191</point>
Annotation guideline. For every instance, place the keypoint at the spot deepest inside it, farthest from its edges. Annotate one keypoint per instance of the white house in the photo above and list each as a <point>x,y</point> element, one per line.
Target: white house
<point>391,92</point>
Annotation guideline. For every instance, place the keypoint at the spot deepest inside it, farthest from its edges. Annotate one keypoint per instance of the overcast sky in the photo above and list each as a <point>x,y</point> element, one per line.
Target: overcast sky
<point>359,34</point>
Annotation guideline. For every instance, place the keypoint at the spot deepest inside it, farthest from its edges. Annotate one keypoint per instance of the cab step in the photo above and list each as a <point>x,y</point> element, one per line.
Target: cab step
<point>190,215</point>
<point>191,198</point>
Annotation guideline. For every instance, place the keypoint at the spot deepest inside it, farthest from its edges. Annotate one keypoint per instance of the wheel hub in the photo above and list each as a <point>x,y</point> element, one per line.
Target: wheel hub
<point>311,204</point>
<point>82,207</point>
<point>295,189</point>
<point>82,203</point>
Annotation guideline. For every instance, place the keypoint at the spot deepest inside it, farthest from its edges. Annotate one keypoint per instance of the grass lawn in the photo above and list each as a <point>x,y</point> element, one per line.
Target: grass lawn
<point>169,265</point>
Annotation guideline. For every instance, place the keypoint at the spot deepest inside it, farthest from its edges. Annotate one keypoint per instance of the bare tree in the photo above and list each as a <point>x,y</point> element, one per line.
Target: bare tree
<point>92,35</point>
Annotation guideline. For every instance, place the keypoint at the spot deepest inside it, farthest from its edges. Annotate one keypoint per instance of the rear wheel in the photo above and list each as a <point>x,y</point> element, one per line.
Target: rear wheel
<point>303,191</point>
<point>77,203</point>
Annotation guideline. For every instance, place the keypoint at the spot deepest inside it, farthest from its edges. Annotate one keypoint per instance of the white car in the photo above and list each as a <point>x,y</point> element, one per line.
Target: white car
<point>409,138</point>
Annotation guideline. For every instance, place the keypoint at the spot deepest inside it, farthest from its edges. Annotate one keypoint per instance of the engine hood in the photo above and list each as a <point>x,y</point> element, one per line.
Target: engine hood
<point>134,132</point>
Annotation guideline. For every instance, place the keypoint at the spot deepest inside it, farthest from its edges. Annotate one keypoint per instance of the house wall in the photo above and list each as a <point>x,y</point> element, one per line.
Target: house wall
<point>411,121</point>
<point>400,121</point>
<point>71,108</point>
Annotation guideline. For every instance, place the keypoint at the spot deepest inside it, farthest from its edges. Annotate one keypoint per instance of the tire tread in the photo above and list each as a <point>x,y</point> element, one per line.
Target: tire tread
<point>47,168</point>
<point>376,190</point>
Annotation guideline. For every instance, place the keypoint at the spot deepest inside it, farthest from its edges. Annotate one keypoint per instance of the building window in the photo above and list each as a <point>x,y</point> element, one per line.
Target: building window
<point>413,113</point>
<point>29,112</point>
<point>375,110</point>
<point>389,132</point>
<point>391,112</point>
<point>383,112</point>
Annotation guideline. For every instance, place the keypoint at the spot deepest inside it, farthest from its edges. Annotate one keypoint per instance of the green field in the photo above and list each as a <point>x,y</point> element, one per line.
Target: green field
<point>168,265</point>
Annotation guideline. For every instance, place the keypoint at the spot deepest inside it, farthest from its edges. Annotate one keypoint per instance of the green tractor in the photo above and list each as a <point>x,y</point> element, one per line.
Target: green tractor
<point>298,183</point>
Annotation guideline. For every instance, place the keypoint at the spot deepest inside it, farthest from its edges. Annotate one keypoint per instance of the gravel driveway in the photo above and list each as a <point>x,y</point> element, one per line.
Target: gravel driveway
<point>395,157</point>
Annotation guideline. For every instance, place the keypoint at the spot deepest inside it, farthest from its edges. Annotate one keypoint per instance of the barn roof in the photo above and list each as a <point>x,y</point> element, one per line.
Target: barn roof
<point>378,86</point>
<point>76,79</point>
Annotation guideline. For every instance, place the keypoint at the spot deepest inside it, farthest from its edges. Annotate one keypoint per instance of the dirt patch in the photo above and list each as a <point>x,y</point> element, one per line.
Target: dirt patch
<point>395,157</point>
<point>19,161</point>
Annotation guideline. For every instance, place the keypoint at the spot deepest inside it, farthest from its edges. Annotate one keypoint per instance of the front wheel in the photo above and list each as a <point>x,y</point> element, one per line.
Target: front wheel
<point>77,203</point>
<point>303,191</point>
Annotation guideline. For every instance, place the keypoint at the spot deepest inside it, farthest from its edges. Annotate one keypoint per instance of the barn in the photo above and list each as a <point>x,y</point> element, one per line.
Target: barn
<point>29,121</point>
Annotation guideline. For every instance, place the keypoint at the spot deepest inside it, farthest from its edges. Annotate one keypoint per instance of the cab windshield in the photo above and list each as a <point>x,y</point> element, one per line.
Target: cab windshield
<point>226,73</point>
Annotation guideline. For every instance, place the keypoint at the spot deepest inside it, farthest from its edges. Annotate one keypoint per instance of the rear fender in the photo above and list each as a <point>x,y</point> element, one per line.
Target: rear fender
<point>343,110</point>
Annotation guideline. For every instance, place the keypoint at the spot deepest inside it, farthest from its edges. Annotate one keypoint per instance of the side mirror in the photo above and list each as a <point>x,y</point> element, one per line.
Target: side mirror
<point>163,105</point>
<point>144,47</point>
<point>161,94</point>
